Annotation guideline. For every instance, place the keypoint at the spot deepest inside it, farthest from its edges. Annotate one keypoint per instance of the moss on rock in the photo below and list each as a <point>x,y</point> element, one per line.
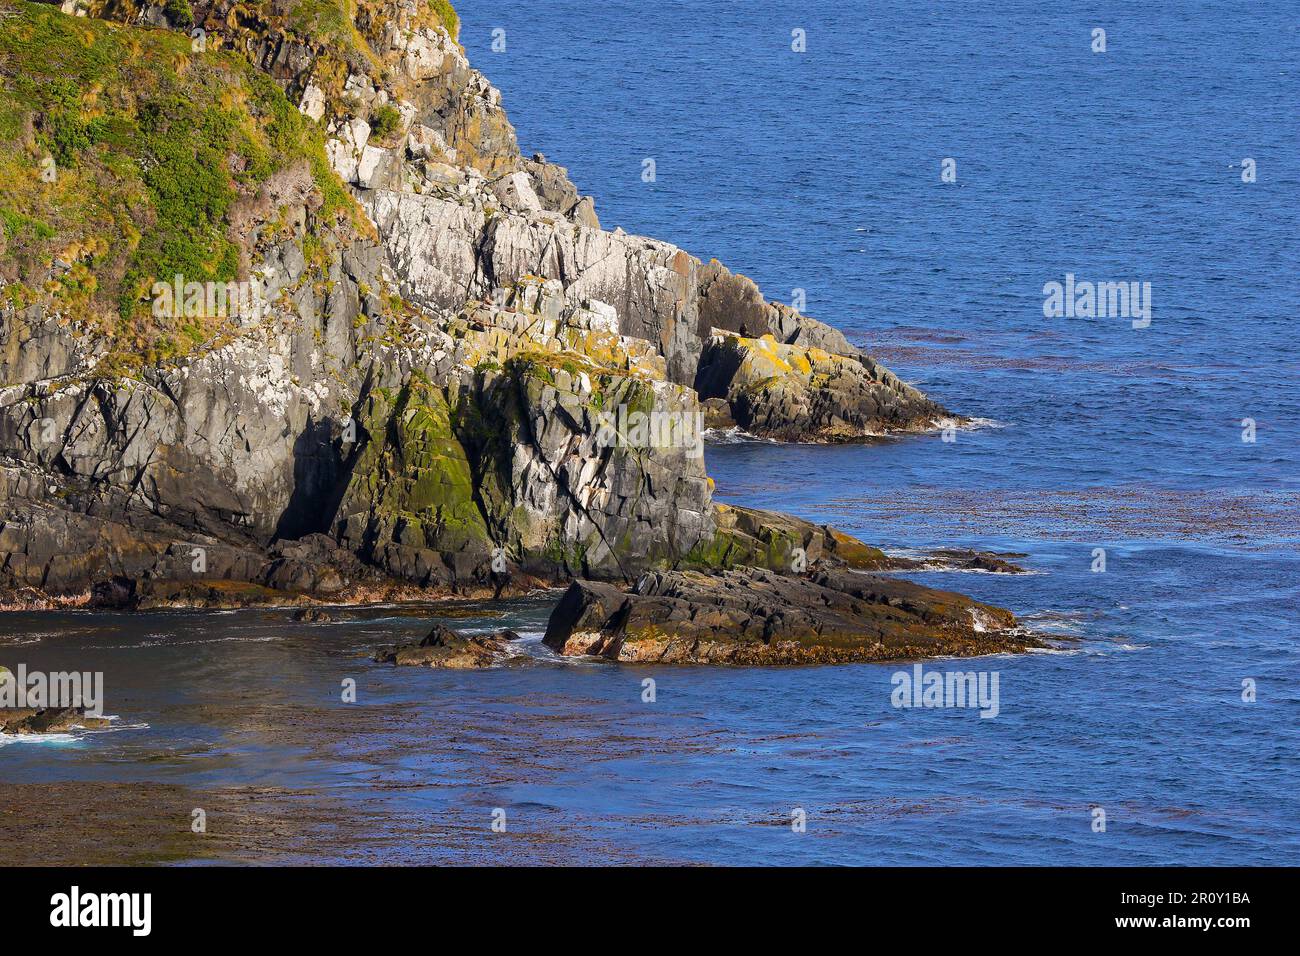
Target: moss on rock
<point>416,475</point>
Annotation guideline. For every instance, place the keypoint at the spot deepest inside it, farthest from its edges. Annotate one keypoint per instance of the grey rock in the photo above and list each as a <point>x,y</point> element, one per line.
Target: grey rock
<point>391,418</point>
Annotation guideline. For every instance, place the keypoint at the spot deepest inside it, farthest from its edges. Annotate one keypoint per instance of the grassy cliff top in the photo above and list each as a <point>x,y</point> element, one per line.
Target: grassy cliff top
<point>126,157</point>
<point>349,29</point>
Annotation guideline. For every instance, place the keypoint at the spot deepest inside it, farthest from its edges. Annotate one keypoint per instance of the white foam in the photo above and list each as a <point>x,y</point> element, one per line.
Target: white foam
<point>78,733</point>
<point>969,425</point>
<point>58,739</point>
<point>735,435</point>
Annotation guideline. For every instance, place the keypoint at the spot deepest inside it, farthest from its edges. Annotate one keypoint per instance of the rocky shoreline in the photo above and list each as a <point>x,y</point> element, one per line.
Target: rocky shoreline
<point>754,616</point>
<point>835,613</point>
<point>451,381</point>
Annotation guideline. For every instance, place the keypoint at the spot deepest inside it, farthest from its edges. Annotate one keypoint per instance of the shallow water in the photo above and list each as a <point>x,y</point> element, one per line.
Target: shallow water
<point>821,171</point>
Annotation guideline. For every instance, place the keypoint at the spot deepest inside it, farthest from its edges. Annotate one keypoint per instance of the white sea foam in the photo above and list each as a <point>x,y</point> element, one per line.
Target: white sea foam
<point>75,735</point>
<point>970,425</point>
<point>56,739</point>
<point>1055,622</point>
<point>527,638</point>
<point>735,435</point>
<point>164,640</point>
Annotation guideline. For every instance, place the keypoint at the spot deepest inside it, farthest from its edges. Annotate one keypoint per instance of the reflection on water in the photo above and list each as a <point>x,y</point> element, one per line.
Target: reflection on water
<point>241,714</point>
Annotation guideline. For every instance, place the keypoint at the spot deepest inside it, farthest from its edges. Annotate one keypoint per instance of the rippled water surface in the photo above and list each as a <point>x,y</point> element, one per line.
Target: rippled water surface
<point>820,171</point>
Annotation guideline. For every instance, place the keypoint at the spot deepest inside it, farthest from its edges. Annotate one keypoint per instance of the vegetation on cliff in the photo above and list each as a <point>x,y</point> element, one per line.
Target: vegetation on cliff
<point>128,157</point>
<point>460,381</point>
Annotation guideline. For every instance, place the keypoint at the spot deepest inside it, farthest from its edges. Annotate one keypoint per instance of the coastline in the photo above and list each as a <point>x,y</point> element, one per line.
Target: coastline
<point>416,401</point>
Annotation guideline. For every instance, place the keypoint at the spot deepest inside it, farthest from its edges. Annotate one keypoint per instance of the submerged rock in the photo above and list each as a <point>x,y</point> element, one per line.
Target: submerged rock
<point>964,559</point>
<point>48,720</point>
<point>755,616</point>
<point>443,647</point>
<point>312,615</point>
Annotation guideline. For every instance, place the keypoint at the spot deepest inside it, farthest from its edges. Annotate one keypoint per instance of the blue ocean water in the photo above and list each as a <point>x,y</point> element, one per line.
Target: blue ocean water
<point>820,171</point>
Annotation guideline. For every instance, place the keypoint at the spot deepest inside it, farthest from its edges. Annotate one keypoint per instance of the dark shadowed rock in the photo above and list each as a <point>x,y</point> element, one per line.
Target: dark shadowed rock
<point>959,559</point>
<point>967,560</point>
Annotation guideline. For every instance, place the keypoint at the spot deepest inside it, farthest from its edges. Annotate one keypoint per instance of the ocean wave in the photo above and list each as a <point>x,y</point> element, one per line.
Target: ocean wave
<point>56,739</point>
<point>1047,623</point>
<point>167,640</point>
<point>735,435</point>
<point>965,425</point>
<point>529,637</point>
<point>75,735</point>
<point>530,645</point>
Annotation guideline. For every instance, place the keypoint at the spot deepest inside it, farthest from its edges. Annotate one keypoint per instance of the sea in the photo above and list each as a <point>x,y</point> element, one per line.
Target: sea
<point>918,175</point>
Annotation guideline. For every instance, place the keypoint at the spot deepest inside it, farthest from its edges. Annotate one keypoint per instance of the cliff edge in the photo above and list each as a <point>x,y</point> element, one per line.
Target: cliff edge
<point>285,312</point>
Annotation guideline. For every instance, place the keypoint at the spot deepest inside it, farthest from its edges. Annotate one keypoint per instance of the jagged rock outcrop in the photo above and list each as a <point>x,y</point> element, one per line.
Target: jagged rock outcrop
<point>769,539</point>
<point>506,448</point>
<point>446,373</point>
<point>798,393</point>
<point>755,616</point>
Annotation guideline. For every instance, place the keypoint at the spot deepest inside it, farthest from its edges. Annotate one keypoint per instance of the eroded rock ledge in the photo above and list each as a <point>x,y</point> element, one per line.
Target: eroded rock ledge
<point>756,616</point>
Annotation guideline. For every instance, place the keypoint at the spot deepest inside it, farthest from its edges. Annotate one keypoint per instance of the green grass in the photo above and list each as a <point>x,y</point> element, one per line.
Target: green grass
<point>153,146</point>
<point>448,16</point>
<point>385,121</point>
<point>179,13</point>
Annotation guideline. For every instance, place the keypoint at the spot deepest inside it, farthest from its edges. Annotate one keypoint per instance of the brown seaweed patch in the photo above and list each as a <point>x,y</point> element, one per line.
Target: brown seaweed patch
<point>1238,516</point>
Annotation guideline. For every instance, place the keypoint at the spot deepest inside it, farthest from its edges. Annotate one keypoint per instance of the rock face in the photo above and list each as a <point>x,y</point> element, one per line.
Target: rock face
<point>505,454</point>
<point>797,393</point>
<point>754,616</point>
<point>443,376</point>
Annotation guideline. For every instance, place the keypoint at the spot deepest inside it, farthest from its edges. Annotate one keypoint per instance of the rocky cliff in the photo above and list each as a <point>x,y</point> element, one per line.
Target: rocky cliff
<point>283,310</point>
